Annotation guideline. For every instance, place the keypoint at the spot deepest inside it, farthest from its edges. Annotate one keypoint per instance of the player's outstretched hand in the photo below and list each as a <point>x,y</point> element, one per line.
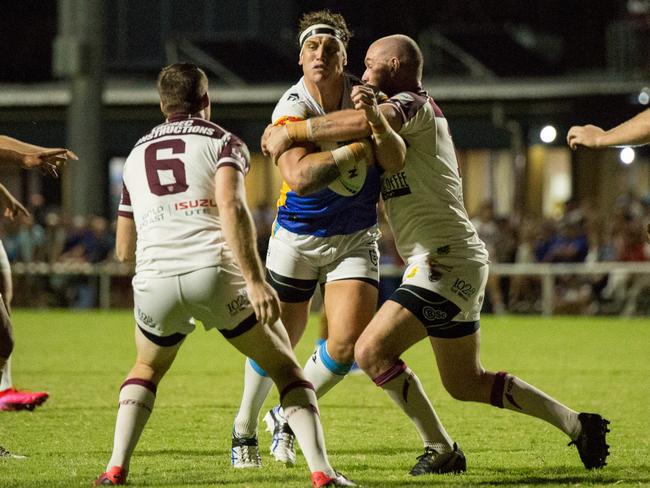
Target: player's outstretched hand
<point>49,161</point>
<point>363,98</point>
<point>584,135</point>
<point>12,207</point>
<point>265,302</point>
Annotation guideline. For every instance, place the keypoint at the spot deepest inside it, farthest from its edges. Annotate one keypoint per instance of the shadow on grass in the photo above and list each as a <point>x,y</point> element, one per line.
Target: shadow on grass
<point>514,480</point>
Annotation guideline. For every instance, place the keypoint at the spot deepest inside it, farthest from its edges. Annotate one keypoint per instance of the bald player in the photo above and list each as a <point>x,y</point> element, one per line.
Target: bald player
<point>447,265</point>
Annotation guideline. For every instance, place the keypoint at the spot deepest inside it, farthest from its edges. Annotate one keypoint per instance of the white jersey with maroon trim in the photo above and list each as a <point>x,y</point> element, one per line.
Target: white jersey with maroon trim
<point>169,190</point>
<point>424,201</point>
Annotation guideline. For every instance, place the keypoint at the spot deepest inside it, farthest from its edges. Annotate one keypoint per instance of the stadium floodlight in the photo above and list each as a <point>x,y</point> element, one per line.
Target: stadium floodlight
<point>644,96</point>
<point>627,155</point>
<point>548,134</point>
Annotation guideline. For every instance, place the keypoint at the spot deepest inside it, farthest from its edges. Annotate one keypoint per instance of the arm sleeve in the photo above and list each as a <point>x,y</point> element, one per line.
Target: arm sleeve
<point>234,153</point>
<point>410,105</point>
<point>290,108</point>
<point>125,209</point>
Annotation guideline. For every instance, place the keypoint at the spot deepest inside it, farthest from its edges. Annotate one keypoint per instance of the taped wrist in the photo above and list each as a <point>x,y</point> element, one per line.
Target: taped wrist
<point>300,131</point>
<point>348,155</point>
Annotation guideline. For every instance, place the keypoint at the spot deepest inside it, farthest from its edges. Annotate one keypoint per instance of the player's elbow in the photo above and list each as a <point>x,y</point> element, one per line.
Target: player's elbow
<point>301,189</point>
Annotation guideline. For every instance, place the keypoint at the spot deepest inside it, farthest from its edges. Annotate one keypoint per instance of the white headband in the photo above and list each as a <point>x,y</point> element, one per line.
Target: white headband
<point>322,30</point>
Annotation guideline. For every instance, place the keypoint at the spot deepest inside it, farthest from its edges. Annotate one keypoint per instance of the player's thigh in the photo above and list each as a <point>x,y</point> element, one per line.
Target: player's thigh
<point>292,265</point>
<point>458,357</point>
<point>446,296</point>
<point>350,305</point>
<point>292,269</point>
<point>294,317</point>
<point>153,360</point>
<point>393,330</point>
<point>351,287</point>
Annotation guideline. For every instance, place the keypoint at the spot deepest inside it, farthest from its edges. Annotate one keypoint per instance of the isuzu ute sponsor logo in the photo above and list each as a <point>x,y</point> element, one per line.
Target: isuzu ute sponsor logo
<point>197,203</point>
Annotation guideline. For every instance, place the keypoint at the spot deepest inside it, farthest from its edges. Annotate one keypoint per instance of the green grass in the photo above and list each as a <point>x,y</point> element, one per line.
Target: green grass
<point>591,364</point>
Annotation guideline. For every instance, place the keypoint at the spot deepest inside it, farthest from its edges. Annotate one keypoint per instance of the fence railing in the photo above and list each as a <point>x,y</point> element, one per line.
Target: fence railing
<point>547,273</point>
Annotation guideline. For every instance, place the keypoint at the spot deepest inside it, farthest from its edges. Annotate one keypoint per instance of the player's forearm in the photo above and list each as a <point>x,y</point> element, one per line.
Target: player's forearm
<point>390,149</point>
<point>314,172</point>
<point>240,235</point>
<point>635,131</point>
<point>343,125</point>
<point>10,157</point>
<point>12,144</point>
<point>125,240</point>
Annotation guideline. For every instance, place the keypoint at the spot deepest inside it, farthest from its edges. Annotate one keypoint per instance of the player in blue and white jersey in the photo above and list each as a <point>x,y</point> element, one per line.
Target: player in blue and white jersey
<point>447,264</point>
<point>320,237</point>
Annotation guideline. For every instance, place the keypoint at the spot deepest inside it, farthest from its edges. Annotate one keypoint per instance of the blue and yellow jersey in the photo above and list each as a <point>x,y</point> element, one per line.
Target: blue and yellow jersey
<point>324,213</point>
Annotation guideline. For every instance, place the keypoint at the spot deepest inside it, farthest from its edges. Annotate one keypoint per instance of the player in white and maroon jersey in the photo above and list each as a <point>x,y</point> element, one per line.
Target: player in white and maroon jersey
<point>320,237</point>
<point>183,217</point>
<point>447,264</point>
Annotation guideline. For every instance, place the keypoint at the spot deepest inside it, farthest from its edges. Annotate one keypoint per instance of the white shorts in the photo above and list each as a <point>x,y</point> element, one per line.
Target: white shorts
<point>166,307</point>
<point>296,263</point>
<point>446,294</point>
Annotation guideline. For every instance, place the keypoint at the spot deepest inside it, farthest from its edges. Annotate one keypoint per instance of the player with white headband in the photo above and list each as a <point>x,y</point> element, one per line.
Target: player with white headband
<point>320,237</point>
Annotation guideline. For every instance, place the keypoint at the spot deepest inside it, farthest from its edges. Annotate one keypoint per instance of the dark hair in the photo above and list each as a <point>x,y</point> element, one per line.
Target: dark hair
<point>182,88</point>
<point>326,17</point>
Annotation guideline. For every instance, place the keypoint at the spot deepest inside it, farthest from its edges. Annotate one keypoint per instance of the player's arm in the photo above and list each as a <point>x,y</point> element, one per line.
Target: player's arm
<point>125,239</point>
<point>390,149</point>
<point>307,172</point>
<point>50,160</point>
<point>10,204</point>
<point>343,125</point>
<point>239,232</point>
<point>633,132</point>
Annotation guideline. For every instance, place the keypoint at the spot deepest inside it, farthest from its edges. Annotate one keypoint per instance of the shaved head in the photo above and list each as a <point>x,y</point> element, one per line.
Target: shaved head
<point>406,50</point>
<point>394,64</point>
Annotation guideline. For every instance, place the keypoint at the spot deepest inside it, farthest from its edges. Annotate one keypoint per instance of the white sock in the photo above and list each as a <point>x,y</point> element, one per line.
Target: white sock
<point>512,393</point>
<point>256,389</point>
<point>136,402</point>
<point>5,376</point>
<point>405,389</point>
<point>301,412</point>
<point>324,372</point>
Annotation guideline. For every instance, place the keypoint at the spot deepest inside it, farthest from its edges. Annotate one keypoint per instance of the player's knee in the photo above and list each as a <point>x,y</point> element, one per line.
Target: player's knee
<point>367,354</point>
<point>148,372</point>
<point>458,390</point>
<point>341,351</point>
<point>463,388</point>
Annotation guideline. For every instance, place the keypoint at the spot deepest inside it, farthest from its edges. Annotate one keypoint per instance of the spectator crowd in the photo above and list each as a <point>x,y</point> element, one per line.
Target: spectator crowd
<point>580,234</point>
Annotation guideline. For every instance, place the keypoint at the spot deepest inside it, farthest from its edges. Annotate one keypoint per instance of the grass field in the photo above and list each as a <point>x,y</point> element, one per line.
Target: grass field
<point>591,364</point>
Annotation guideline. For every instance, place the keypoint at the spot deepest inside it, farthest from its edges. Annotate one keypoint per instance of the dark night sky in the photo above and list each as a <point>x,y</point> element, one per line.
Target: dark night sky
<point>574,30</point>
